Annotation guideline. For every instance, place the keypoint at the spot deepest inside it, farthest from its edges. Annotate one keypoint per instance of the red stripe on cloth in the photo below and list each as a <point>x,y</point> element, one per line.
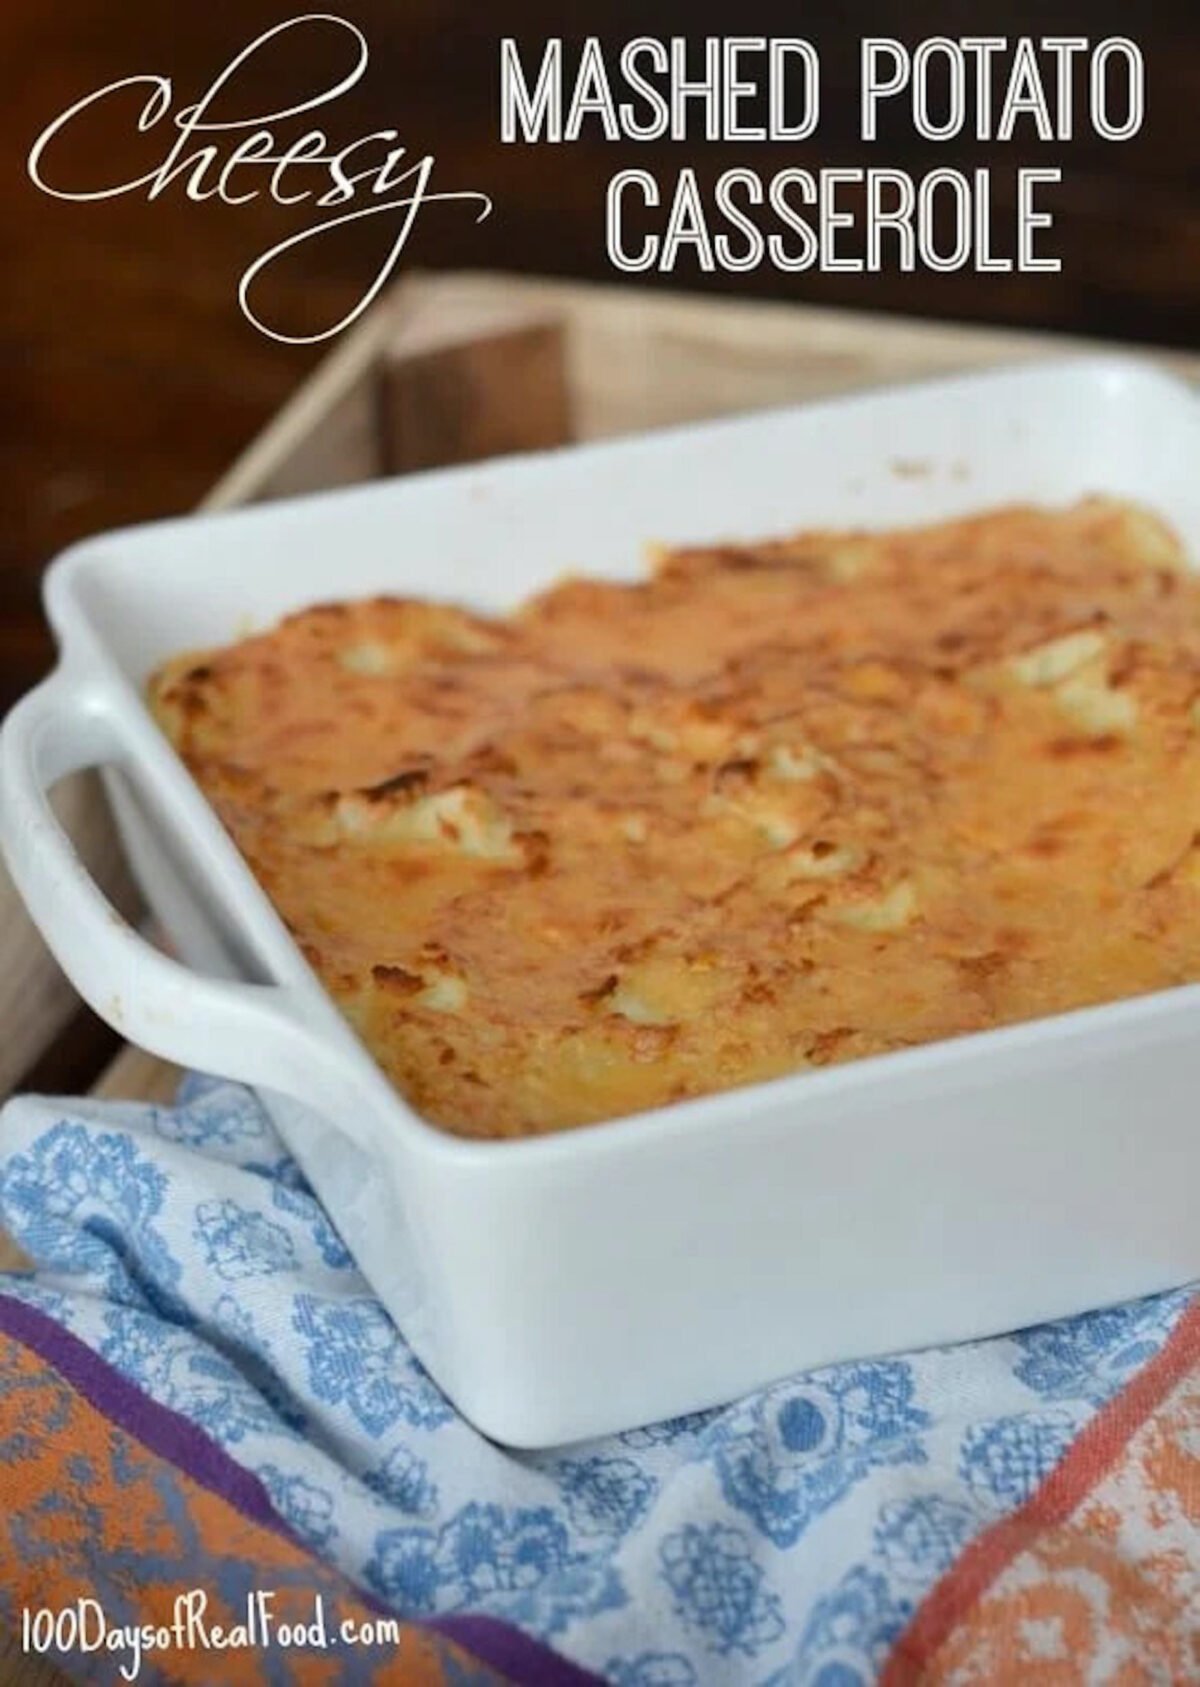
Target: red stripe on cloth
<point>1088,1459</point>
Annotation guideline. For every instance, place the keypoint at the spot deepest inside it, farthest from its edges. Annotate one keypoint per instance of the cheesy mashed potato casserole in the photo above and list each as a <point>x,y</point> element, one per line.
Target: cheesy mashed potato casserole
<point>779,805</point>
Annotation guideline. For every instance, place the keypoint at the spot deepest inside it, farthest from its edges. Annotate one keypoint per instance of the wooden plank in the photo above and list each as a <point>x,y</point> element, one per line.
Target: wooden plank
<point>639,359</point>
<point>36,1000</point>
<point>330,432</point>
<point>136,1075</point>
<point>501,388</point>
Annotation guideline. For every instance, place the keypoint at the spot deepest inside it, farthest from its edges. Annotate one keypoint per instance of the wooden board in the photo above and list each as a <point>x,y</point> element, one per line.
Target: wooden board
<point>452,367</point>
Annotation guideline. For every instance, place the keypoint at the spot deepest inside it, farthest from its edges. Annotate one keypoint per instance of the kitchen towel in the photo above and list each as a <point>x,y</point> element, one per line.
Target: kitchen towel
<point>198,1390</point>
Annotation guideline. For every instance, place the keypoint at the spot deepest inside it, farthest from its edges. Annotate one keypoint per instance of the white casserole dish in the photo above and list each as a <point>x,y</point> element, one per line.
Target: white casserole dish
<point>586,1282</point>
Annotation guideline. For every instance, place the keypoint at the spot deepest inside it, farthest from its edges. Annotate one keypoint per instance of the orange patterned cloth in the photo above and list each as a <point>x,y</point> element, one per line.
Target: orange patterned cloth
<point>1097,1577</point>
<point>127,1518</point>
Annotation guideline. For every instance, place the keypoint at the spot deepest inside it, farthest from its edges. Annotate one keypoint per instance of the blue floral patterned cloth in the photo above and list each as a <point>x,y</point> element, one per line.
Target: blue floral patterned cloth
<point>785,1539</point>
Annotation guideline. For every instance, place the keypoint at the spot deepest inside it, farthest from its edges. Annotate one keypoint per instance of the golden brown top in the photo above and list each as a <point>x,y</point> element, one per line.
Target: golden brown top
<point>780,805</point>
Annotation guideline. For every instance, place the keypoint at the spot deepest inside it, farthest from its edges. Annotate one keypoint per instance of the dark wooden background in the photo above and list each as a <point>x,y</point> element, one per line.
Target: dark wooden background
<point>130,379</point>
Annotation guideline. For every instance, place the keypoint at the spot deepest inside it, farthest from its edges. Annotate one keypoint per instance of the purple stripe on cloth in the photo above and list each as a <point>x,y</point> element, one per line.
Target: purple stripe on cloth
<point>513,1652</point>
<point>159,1429</point>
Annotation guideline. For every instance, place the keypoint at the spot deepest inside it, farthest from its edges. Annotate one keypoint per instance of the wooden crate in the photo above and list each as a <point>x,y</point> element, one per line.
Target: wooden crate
<point>452,368</point>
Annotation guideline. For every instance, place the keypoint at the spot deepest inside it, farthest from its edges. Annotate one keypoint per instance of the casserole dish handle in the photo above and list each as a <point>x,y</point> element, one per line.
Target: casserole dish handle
<point>261,1030</point>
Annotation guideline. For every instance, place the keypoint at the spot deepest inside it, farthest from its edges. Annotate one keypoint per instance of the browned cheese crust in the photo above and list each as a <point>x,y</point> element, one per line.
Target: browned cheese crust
<point>779,805</point>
